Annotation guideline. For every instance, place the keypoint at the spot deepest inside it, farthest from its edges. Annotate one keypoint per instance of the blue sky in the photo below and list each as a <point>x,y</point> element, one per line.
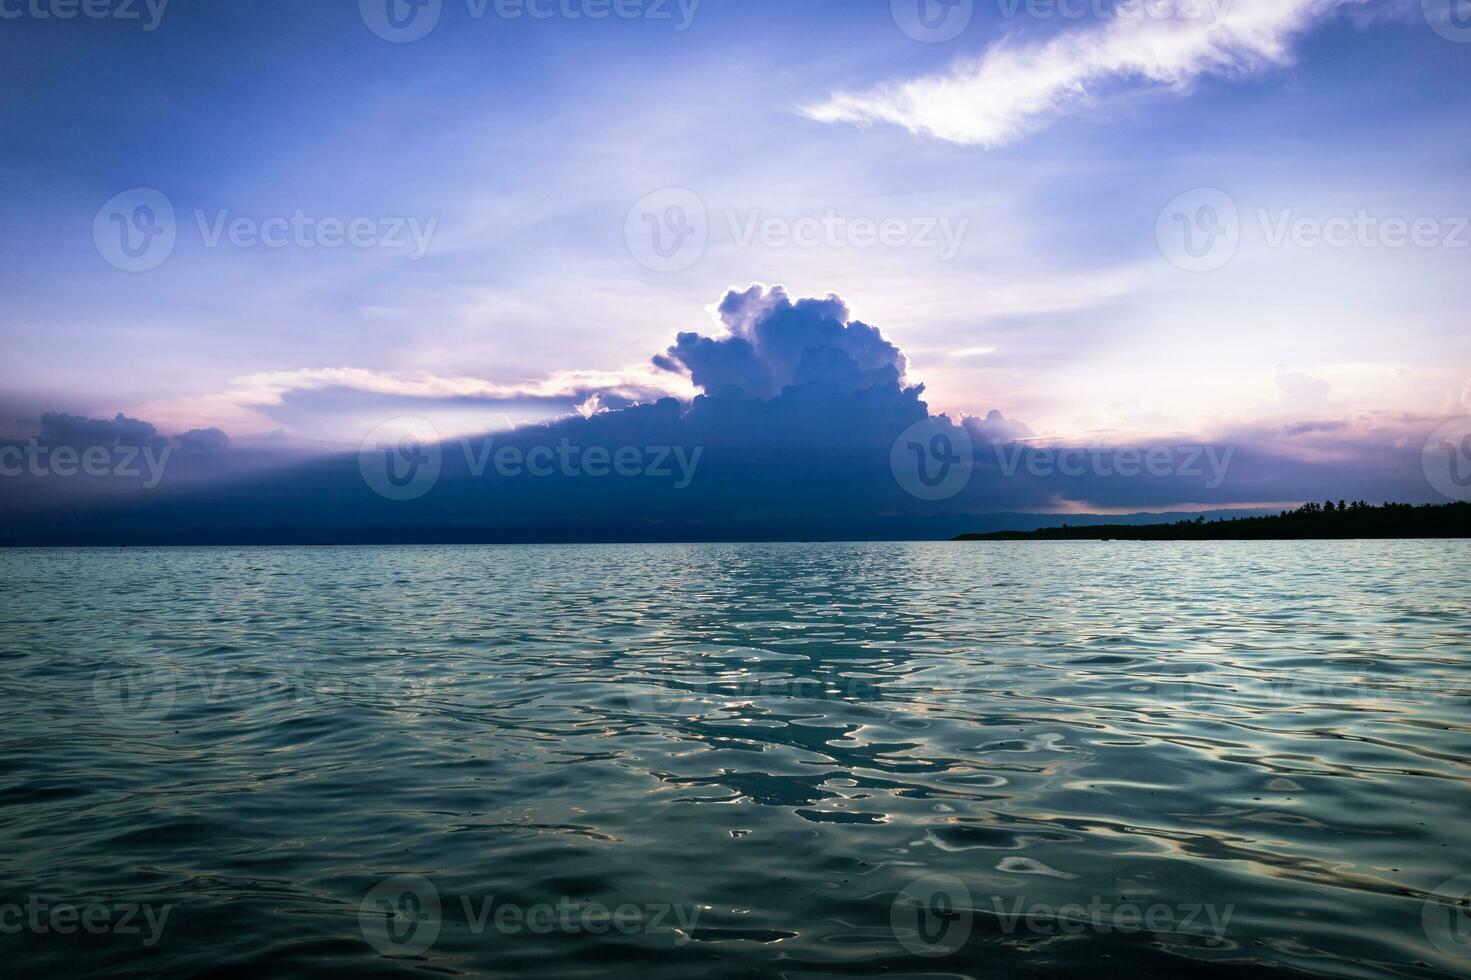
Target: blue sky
<point>520,146</point>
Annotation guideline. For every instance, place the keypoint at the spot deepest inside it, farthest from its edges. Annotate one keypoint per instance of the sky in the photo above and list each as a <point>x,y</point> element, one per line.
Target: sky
<point>1111,223</point>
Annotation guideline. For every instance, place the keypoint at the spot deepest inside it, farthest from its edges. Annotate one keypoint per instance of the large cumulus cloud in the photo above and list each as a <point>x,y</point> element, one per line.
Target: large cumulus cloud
<point>774,344</point>
<point>798,410</point>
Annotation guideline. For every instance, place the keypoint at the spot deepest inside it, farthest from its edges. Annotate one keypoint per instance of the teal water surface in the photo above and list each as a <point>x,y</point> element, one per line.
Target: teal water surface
<point>985,760</point>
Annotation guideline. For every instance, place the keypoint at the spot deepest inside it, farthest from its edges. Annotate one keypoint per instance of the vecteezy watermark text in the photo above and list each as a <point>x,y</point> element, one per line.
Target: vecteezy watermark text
<point>1103,916</point>
<point>148,12</point>
<point>403,916</point>
<point>143,696</point>
<point>403,459</point>
<point>568,459</point>
<point>137,230</point>
<point>1363,229</point>
<point>40,916</point>
<point>935,459</point>
<point>37,459</point>
<point>937,21</point>
<point>688,695</point>
<point>1190,462</point>
<point>403,21</point>
<point>838,231</point>
<point>1209,11</point>
<point>301,230</point>
<point>669,230</point>
<point>1209,687</point>
<point>934,916</point>
<point>1201,230</point>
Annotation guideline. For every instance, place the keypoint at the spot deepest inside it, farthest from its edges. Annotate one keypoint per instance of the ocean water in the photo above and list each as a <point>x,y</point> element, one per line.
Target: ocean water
<point>984,760</point>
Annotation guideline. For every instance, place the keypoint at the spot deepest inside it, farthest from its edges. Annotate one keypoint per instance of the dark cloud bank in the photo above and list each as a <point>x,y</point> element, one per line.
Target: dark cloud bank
<point>792,439</point>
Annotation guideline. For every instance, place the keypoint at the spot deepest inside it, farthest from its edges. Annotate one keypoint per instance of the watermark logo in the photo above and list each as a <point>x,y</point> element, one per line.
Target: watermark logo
<point>932,459</point>
<point>401,21</point>
<point>668,230</point>
<point>401,459</point>
<point>652,698</point>
<point>1446,917</point>
<point>400,916</point>
<point>1451,19</point>
<point>1200,230</point>
<point>933,21</point>
<point>1446,459</point>
<point>135,231</point>
<point>136,698</point>
<point>932,916</point>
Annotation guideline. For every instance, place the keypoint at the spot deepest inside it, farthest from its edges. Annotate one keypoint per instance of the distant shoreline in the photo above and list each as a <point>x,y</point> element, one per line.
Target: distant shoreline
<point>1342,521</point>
<point>1353,521</point>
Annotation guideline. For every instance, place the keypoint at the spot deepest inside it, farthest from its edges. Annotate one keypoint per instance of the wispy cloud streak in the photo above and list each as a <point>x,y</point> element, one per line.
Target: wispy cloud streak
<point>1016,87</point>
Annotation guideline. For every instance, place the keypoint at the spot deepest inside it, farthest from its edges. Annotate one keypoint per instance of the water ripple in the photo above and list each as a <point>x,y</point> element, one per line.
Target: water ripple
<point>774,758</point>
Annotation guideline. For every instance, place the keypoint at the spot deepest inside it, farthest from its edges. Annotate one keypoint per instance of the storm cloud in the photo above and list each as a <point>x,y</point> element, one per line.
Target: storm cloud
<point>804,426</point>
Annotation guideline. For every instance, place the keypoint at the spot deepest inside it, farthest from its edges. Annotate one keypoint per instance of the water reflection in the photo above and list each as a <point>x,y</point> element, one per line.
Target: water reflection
<point>968,760</point>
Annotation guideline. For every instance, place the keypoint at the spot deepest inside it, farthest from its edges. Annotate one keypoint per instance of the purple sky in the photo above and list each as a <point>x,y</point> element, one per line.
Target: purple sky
<point>1242,222</point>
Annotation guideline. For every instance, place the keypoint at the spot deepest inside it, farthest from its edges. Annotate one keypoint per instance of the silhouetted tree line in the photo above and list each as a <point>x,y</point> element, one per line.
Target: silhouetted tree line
<point>1356,519</point>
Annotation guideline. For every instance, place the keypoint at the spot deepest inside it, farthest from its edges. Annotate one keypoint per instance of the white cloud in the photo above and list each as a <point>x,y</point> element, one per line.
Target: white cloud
<point>245,407</point>
<point>635,381</point>
<point>1018,87</point>
<point>1298,390</point>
